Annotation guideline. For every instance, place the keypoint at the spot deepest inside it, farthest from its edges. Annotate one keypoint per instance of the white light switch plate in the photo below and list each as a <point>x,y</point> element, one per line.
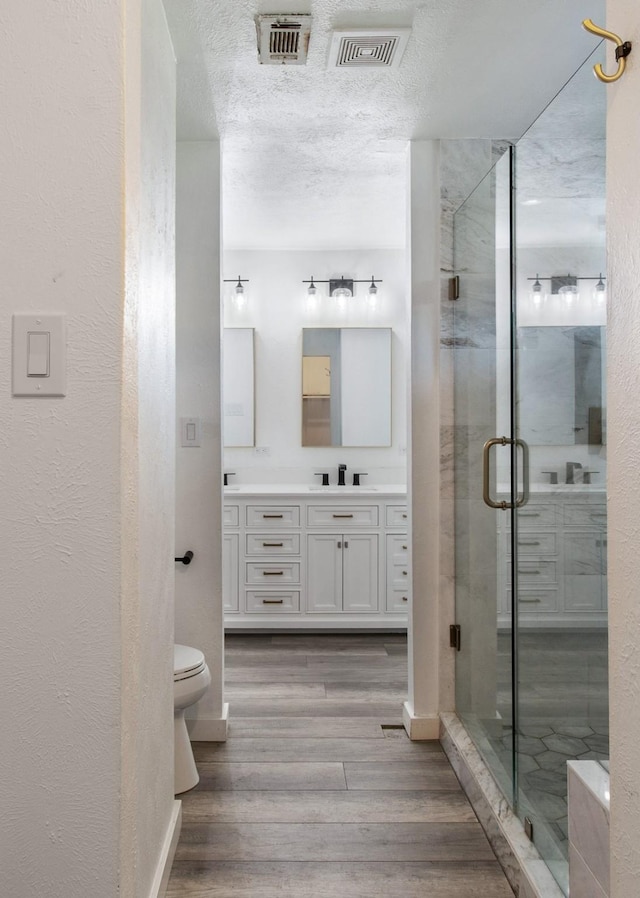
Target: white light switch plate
<point>190,432</point>
<point>32,336</point>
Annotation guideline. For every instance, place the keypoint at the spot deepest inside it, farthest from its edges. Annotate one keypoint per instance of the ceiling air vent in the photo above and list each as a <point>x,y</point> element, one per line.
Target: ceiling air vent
<point>368,48</point>
<point>283,40</point>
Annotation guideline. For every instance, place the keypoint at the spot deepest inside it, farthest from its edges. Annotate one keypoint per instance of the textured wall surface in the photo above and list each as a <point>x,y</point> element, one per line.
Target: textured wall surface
<point>148,446</point>
<point>198,470</point>
<point>623,215</point>
<point>61,251</point>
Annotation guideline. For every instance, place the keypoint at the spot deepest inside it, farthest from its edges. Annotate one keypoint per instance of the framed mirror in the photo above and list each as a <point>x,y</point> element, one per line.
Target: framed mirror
<point>238,398</point>
<point>346,386</point>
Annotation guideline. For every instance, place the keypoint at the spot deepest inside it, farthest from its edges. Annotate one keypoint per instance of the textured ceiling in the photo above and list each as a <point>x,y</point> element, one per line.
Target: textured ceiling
<point>315,158</point>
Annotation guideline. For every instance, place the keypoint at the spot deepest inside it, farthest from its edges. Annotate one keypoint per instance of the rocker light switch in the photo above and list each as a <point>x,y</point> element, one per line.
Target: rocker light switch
<point>190,431</point>
<point>39,355</point>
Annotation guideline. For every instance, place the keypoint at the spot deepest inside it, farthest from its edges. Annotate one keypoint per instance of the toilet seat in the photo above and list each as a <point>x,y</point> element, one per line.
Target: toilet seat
<point>187,662</point>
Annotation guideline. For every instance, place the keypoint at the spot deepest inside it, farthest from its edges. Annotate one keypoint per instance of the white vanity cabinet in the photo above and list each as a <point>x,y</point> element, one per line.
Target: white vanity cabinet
<point>342,572</point>
<point>230,559</point>
<point>312,560</point>
<point>561,561</point>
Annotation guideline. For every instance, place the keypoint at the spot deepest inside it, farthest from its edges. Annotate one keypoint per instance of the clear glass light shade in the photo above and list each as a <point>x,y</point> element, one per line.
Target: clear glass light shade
<point>600,292</point>
<point>569,293</point>
<point>536,293</point>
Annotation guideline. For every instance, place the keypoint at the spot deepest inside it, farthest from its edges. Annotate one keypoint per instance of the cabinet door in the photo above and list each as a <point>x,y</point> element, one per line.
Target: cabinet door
<point>360,572</point>
<point>324,573</point>
<point>230,572</point>
<point>584,571</point>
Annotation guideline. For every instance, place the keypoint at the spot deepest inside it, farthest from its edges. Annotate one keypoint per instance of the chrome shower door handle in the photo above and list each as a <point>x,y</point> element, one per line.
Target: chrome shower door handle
<point>486,466</point>
<point>523,497</point>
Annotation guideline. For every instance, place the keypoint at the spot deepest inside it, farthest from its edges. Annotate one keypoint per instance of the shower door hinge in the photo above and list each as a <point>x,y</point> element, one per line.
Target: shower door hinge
<point>454,287</point>
<point>528,828</point>
<point>454,636</point>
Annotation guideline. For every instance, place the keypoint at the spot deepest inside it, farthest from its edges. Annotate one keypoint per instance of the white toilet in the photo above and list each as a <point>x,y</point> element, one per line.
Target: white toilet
<point>191,679</point>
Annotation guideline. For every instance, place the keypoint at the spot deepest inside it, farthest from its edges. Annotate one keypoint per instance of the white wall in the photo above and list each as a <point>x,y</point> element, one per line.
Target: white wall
<point>623,216</point>
<point>198,471</point>
<point>75,545</point>
<point>430,659</point>
<point>278,307</point>
<point>148,447</point>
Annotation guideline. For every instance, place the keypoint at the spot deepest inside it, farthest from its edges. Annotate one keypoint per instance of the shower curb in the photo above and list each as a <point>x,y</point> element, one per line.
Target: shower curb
<point>527,873</point>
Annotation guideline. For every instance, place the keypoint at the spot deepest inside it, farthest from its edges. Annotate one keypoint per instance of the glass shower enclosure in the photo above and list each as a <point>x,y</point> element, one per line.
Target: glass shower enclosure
<point>530,461</point>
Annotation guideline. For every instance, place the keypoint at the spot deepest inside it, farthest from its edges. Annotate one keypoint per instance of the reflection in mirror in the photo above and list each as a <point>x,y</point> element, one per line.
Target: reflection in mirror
<point>565,363</point>
<point>346,386</point>
<point>238,386</point>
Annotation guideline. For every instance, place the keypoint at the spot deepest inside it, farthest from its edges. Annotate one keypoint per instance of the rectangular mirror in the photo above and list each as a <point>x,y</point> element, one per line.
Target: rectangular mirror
<point>238,387</point>
<point>346,386</point>
<point>560,393</point>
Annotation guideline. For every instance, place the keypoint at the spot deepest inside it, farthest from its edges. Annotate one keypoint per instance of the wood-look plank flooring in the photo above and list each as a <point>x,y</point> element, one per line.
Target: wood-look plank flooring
<point>318,791</point>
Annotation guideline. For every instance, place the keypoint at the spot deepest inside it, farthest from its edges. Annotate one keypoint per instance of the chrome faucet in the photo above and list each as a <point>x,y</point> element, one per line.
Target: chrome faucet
<point>341,470</point>
<point>571,470</point>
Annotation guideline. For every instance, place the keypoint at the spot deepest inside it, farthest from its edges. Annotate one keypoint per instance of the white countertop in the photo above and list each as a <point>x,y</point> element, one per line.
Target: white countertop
<point>313,491</point>
<point>560,489</point>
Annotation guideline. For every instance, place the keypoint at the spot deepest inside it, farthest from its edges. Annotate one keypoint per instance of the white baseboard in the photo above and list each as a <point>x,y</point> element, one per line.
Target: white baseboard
<point>209,729</point>
<point>420,729</point>
<point>163,870</point>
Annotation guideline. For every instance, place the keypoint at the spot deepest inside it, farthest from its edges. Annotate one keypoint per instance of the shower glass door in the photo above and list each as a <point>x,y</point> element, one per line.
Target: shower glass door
<point>529,349</point>
<point>483,399</point>
<point>560,353</point>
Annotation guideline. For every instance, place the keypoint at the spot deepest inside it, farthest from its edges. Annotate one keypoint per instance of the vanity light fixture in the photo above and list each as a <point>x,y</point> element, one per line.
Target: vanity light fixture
<point>342,287</point>
<point>566,286</point>
<point>240,282</point>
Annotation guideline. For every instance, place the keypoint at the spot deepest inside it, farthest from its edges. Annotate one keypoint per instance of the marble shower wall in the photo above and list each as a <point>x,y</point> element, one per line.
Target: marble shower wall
<point>468,414</point>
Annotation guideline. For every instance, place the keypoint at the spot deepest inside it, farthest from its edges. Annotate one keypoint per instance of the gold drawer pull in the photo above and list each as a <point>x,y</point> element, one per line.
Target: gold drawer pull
<point>528,542</point>
<point>404,573</point>
<point>597,514</point>
<point>530,601</point>
<point>272,515</point>
<point>404,547</point>
<point>272,545</point>
<point>273,601</point>
<point>405,599</point>
<point>529,514</point>
<point>522,570</point>
<point>272,573</point>
<point>404,515</point>
<point>342,515</point>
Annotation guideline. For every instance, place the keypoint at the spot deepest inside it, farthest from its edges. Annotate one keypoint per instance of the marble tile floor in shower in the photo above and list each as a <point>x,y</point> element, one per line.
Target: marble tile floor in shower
<point>563,716</point>
<point>318,790</point>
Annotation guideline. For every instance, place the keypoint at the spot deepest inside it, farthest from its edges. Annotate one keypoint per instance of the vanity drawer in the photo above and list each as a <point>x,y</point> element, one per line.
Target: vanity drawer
<point>230,515</point>
<point>397,516</point>
<point>531,573</point>
<point>536,543</point>
<point>273,573</point>
<point>341,517</point>
<point>534,515</point>
<point>277,544</point>
<point>397,550</point>
<point>585,515</point>
<point>273,515</point>
<point>397,600</point>
<point>283,601</point>
<point>535,600</point>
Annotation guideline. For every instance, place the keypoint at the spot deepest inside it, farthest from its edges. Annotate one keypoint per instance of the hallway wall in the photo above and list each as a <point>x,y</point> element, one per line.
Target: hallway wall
<point>623,215</point>
<point>198,469</point>
<point>82,529</point>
